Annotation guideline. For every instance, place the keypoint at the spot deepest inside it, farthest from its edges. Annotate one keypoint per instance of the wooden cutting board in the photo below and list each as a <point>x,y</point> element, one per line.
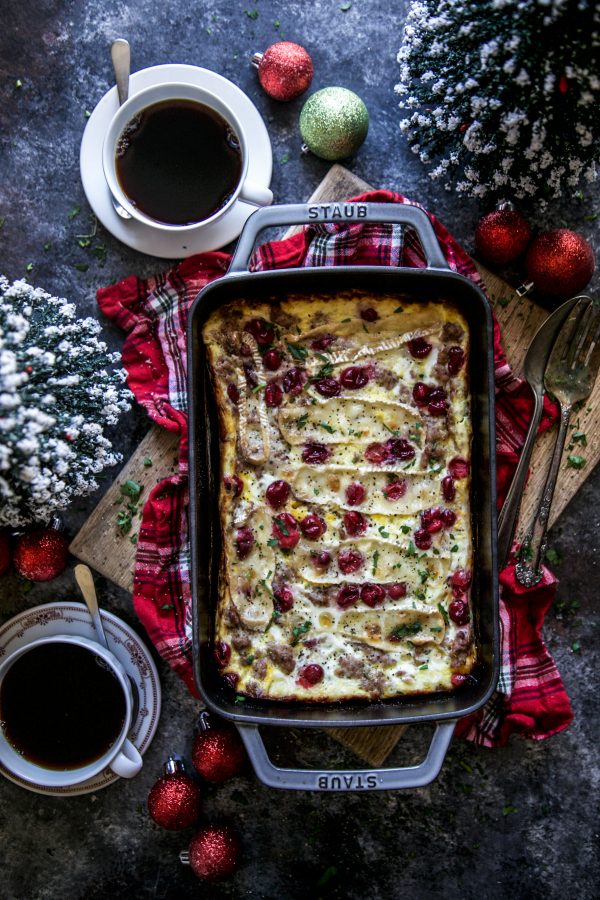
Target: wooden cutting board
<point>99,545</point>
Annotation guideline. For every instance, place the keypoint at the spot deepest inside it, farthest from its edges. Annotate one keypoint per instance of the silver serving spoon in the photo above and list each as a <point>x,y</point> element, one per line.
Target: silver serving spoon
<point>85,580</point>
<point>534,367</point>
<point>121,60</point>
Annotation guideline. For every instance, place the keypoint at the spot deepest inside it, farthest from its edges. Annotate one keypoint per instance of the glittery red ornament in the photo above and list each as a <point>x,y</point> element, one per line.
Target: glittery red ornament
<point>42,554</point>
<point>285,70</point>
<point>218,753</point>
<point>174,801</point>
<point>214,853</point>
<point>5,551</point>
<point>502,236</point>
<point>559,263</point>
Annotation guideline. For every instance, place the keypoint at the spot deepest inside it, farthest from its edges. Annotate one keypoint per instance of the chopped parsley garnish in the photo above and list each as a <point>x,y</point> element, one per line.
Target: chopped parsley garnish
<point>420,595</point>
<point>405,529</point>
<point>249,660</point>
<point>327,427</point>
<point>411,549</point>
<point>383,532</point>
<point>423,575</point>
<point>282,526</point>
<point>410,464</point>
<point>393,431</point>
<point>73,212</point>
<point>147,462</point>
<point>454,548</point>
<point>434,629</point>
<point>343,322</point>
<point>375,561</point>
<point>324,372</point>
<point>272,542</point>
<point>554,556</point>
<point>131,489</point>
<point>406,630</point>
<point>575,462</point>
<point>297,351</point>
<point>424,666</point>
<point>259,387</point>
<point>399,309</point>
<point>298,631</point>
<point>276,615</point>
<point>301,422</point>
<point>443,614</point>
<point>579,437</point>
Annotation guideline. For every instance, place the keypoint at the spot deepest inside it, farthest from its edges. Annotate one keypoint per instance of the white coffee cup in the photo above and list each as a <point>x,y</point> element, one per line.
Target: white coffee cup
<point>246,190</point>
<point>122,757</point>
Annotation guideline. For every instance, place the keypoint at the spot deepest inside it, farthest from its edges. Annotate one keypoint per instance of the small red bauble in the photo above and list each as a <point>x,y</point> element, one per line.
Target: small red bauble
<point>560,263</point>
<point>502,236</point>
<point>5,551</point>
<point>214,853</point>
<point>41,555</point>
<point>218,753</point>
<point>285,70</point>
<point>174,801</point>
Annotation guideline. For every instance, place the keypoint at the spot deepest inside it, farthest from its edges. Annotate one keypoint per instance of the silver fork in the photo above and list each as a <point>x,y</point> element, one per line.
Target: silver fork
<point>570,376</point>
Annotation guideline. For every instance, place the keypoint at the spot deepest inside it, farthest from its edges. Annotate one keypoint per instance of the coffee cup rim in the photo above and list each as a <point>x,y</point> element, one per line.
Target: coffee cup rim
<point>36,774</point>
<point>175,90</point>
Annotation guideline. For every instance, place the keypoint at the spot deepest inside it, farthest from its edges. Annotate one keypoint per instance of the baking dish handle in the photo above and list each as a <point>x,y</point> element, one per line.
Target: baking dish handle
<point>314,213</point>
<point>347,779</point>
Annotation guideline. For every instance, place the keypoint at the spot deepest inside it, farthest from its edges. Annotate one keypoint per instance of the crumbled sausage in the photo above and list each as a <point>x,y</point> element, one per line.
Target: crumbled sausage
<point>282,656</point>
<point>232,616</point>
<point>282,318</point>
<point>240,642</point>
<point>459,648</point>
<point>386,378</point>
<point>374,684</point>
<point>253,689</point>
<point>350,667</point>
<point>259,667</point>
<point>452,331</point>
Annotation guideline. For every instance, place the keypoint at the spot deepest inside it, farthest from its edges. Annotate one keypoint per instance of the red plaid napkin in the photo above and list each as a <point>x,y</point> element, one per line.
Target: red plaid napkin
<point>530,698</point>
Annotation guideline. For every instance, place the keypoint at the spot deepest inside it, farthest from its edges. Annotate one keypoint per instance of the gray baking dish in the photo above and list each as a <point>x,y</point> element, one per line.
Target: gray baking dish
<point>435,279</point>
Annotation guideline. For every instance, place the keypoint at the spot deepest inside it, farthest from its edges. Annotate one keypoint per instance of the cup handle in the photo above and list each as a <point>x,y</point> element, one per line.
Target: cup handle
<point>256,194</point>
<point>127,762</point>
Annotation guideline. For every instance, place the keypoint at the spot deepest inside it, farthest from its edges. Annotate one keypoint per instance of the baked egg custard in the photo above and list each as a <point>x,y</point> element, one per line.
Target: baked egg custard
<point>345,438</point>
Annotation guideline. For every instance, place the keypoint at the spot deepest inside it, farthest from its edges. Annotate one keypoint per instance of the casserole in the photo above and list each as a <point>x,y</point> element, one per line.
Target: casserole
<point>420,285</point>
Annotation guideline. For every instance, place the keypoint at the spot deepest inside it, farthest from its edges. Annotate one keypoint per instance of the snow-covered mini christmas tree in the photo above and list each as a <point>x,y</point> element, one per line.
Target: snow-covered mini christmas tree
<point>58,391</point>
<point>504,94</point>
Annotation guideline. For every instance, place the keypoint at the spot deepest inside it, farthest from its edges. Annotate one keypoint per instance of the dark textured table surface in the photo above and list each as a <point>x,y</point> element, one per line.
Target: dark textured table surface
<point>519,822</point>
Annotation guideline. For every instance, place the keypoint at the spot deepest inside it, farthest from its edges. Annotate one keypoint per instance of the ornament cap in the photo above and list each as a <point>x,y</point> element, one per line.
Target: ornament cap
<point>525,288</point>
<point>184,857</point>
<point>173,765</point>
<point>204,723</point>
<point>255,59</point>
<point>506,204</point>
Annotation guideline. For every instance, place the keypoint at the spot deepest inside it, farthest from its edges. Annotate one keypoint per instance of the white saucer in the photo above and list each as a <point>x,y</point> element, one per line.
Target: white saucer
<point>140,236</point>
<point>73,618</point>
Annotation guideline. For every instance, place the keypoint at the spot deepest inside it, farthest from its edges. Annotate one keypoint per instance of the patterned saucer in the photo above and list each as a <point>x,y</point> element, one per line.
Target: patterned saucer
<point>73,618</point>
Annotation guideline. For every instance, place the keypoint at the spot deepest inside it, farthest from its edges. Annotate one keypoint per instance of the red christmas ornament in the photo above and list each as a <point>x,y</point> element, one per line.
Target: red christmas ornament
<point>174,801</point>
<point>214,853</point>
<point>285,70</point>
<point>5,551</point>
<point>218,753</point>
<point>42,554</point>
<point>502,236</point>
<point>559,263</point>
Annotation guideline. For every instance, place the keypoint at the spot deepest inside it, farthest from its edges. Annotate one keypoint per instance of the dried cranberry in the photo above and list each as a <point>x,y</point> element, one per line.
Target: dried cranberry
<point>323,342</point>
<point>285,530</point>
<point>222,653</point>
<point>313,526</point>
<point>311,675</point>
<point>376,453</point>
<point>397,591</point>
<point>315,453</point>
<point>233,393</point>
<point>460,581</point>
<point>251,379</point>
<point>459,467</point>
<point>423,539</point>
<point>293,380</point>
<point>459,612</point>
<point>448,517</point>
<point>272,360</point>
<point>231,679</point>
<point>350,561</point>
<point>233,484</point>
<point>456,360</point>
<point>372,594</point>
<point>448,488</point>
<point>284,599</point>
<point>369,314</point>
<point>277,493</point>
<point>435,394</point>
<point>354,377</point>
<point>355,523</point>
<point>395,489</point>
<point>437,408</point>
<point>261,331</point>
<point>421,393</point>
<point>419,348</point>
<point>321,560</point>
<point>458,679</point>
<point>348,595</point>
<point>328,387</point>
<point>273,394</point>
<point>400,448</point>
<point>355,494</point>
<point>244,541</point>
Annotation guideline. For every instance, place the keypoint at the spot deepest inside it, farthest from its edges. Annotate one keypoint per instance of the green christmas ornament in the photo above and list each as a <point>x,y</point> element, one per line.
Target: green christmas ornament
<point>333,123</point>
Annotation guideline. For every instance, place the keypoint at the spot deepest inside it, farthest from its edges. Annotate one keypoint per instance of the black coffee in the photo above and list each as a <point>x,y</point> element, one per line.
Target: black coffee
<point>60,707</point>
<point>178,161</point>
